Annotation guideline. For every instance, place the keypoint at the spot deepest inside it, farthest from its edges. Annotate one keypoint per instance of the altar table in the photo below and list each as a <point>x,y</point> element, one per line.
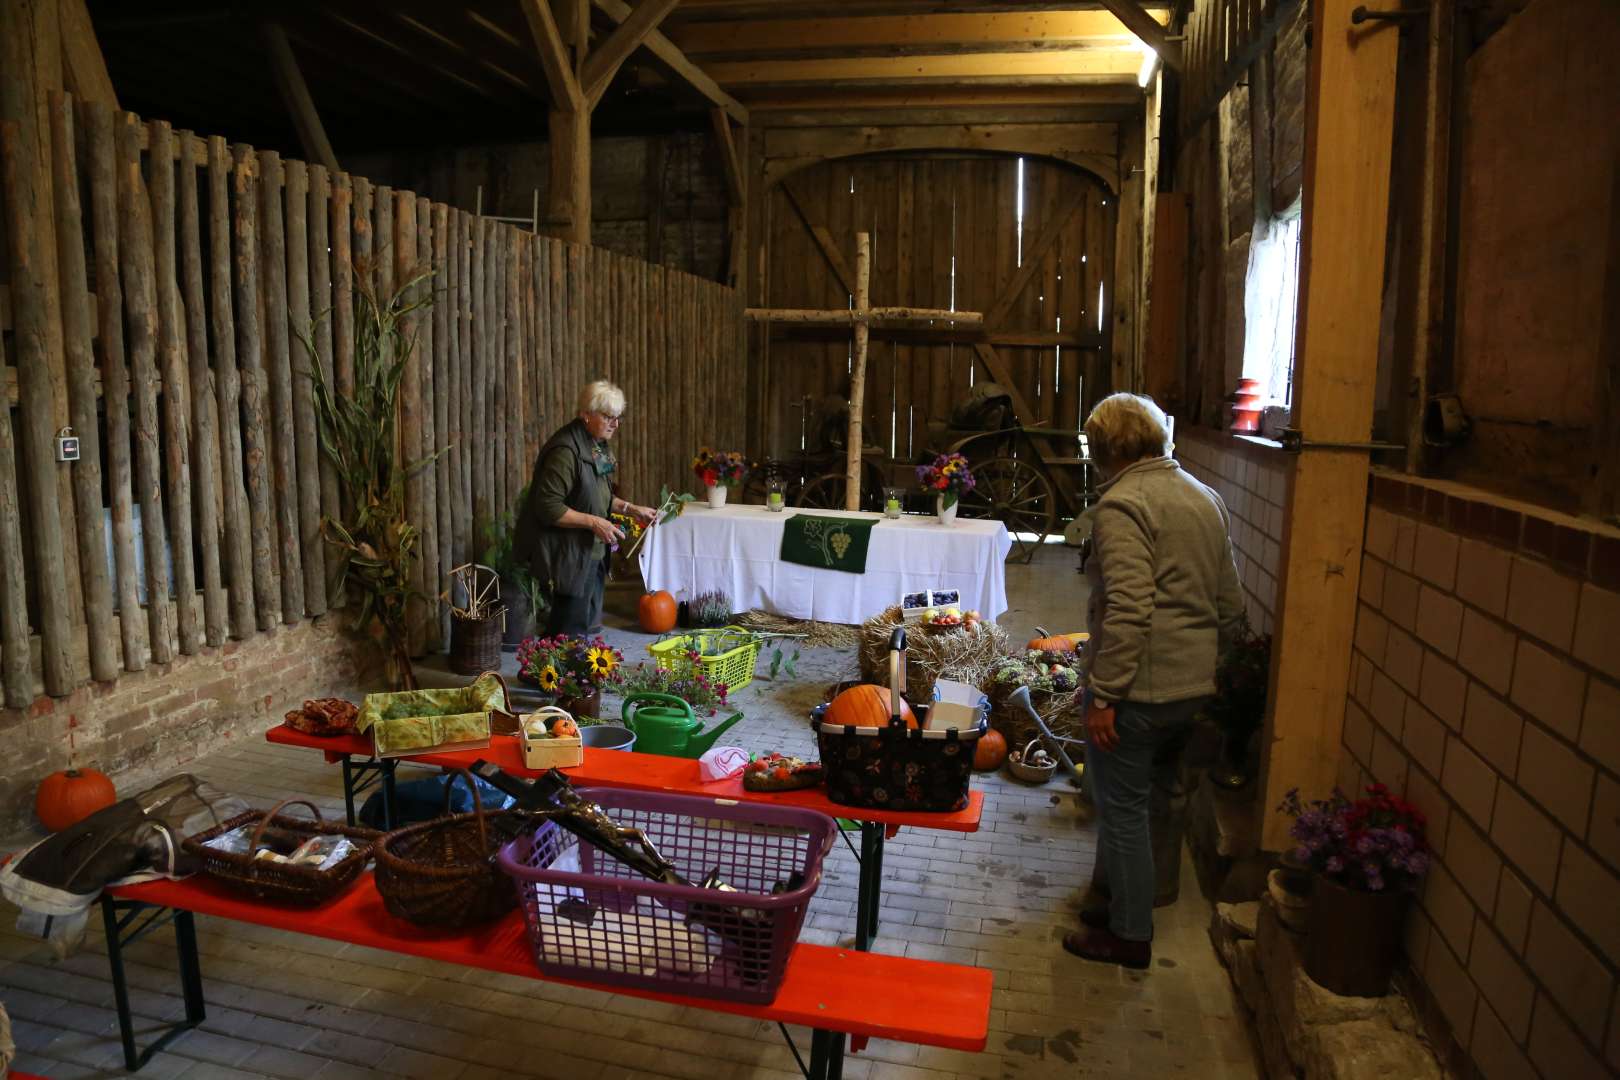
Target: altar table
<point>736,550</point>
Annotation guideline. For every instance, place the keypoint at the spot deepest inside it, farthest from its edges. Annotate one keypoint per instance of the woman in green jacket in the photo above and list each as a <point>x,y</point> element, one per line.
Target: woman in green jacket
<point>564,525</point>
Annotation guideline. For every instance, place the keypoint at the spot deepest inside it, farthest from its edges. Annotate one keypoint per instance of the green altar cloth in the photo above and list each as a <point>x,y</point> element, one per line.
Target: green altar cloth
<point>827,543</point>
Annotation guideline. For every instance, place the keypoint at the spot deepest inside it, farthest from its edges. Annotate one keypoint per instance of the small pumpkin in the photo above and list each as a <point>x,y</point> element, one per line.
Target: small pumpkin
<point>1045,642</point>
<point>866,706</point>
<point>68,797</point>
<point>989,751</point>
<point>656,612</point>
<point>564,728</point>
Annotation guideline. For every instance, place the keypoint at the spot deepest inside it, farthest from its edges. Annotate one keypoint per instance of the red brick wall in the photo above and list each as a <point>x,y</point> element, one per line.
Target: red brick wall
<point>150,724</point>
<point>1485,685</point>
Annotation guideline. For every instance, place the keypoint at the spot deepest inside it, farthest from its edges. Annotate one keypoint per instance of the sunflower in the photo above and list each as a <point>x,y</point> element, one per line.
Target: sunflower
<point>601,661</point>
<point>548,678</point>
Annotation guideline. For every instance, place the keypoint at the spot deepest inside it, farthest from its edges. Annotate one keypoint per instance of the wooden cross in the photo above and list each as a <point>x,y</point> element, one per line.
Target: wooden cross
<point>860,316</point>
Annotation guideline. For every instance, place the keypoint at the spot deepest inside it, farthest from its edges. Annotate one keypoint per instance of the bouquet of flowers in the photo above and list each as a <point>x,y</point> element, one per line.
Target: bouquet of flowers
<point>948,476</point>
<point>568,666</point>
<point>726,467</point>
<point>1375,843</point>
<point>1239,704</point>
<point>693,687</point>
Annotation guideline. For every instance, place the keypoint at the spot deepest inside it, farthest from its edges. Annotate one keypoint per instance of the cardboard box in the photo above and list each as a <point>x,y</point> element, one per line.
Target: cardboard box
<point>956,705</point>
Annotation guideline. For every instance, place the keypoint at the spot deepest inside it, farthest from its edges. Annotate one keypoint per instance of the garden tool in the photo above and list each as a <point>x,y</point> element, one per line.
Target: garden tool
<point>665,724</point>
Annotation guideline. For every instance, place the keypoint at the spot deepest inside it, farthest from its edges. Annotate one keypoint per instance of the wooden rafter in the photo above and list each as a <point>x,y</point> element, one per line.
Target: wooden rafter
<point>604,61</point>
<point>824,242</point>
<point>675,62</point>
<point>555,60</point>
<point>82,63</point>
<point>730,163</point>
<point>900,35</point>
<point>1148,29</point>
<point>295,95</point>
<point>1010,69</point>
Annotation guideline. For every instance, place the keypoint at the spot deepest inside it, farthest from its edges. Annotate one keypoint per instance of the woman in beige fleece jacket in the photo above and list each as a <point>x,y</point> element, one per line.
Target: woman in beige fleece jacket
<point>1165,600</point>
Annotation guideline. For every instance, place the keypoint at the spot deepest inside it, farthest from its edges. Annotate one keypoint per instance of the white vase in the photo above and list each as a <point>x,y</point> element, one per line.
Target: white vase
<point>717,496</point>
<point>947,514</point>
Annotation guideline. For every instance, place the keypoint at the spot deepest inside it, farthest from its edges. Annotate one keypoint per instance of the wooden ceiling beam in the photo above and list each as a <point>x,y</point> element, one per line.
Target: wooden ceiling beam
<point>1011,69</point>
<point>806,106</point>
<point>554,55</point>
<point>297,98</point>
<point>82,62</point>
<point>675,62</point>
<point>490,56</point>
<point>1148,29</point>
<point>901,35</point>
<point>731,163</point>
<point>711,10</point>
<point>451,66</point>
<point>606,59</point>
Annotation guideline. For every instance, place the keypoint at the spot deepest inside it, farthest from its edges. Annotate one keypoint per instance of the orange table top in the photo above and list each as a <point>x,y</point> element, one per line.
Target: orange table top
<point>860,993</point>
<point>646,772</point>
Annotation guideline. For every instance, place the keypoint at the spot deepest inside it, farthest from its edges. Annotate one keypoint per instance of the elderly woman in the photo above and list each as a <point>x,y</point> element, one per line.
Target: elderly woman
<point>564,525</point>
<point>1165,601</point>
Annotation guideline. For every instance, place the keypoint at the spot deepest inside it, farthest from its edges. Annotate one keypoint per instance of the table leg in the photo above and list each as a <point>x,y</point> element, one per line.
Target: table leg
<point>869,892</point>
<point>137,919</point>
<point>878,838</point>
<point>348,790</point>
<point>826,1055</point>
<point>358,777</point>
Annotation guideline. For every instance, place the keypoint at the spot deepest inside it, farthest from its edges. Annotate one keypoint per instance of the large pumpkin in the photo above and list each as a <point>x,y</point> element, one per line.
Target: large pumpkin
<point>990,751</point>
<point>1055,642</point>
<point>657,612</point>
<point>866,706</point>
<point>68,797</point>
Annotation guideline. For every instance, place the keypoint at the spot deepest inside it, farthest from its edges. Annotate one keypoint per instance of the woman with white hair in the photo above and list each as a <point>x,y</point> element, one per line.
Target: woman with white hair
<point>1165,602</point>
<point>564,528</point>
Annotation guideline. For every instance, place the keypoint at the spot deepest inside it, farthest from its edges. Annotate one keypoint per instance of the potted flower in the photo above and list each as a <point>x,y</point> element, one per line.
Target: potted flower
<point>1369,857</point>
<point>947,477</point>
<point>1239,704</point>
<point>573,670</point>
<point>719,471</point>
<point>706,696</point>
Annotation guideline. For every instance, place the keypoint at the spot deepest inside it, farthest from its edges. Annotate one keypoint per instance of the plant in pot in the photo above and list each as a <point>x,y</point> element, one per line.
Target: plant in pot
<point>719,472</point>
<point>573,670</point>
<point>706,696</point>
<point>1239,705</point>
<point>709,610</point>
<point>1369,857</point>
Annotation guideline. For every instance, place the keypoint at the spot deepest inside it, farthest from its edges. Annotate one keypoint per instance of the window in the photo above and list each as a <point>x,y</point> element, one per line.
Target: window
<point>1270,303</point>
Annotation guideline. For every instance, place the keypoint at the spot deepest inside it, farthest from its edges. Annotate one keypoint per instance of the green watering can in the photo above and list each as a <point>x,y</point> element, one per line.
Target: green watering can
<point>665,724</point>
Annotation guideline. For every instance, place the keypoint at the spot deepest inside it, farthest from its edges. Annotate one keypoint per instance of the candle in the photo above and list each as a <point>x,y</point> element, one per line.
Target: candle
<point>891,507</point>
<point>774,501</point>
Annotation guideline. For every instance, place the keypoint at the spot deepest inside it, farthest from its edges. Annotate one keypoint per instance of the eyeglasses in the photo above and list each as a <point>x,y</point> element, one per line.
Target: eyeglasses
<point>610,418</point>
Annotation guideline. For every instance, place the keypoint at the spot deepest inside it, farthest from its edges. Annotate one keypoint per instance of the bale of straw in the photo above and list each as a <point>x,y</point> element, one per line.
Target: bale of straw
<point>965,654</point>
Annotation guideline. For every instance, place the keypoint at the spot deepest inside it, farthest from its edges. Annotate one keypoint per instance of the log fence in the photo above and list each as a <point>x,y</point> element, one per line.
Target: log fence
<point>195,277</point>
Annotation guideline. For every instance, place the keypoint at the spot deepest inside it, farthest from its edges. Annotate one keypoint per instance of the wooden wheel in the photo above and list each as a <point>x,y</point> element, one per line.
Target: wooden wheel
<point>1017,494</point>
<point>826,492</point>
<point>758,483</point>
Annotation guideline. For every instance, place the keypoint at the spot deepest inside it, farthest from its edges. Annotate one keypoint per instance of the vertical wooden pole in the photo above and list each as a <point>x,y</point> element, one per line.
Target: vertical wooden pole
<point>857,381</point>
<point>483,326</point>
<point>409,442</point>
<point>427,330</point>
<point>1349,116</point>
<point>570,189</point>
<point>464,372</point>
<point>81,379</point>
<point>443,365</point>
<point>512,375</point>
<point>345,218</point>
<point>228,393</point>
<point>454,436</point>
<point>321,256</point>
<point>205,455</point>
<point>250,354</point>
<point>278,365</point>
<point>115,379</point>
<point>306,460</point>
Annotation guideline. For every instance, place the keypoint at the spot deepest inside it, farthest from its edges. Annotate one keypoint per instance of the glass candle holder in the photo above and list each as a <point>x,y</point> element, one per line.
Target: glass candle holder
<point>891,502</point>
<point>776,496</point>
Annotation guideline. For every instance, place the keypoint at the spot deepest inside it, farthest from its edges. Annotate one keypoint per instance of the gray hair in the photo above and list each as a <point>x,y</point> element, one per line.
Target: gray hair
<point>601,396</point>
<point>1125,428</point>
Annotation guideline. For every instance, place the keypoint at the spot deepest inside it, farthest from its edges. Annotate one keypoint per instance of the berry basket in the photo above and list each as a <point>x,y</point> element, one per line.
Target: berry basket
<point>591,917</point>
<point>727,655</point>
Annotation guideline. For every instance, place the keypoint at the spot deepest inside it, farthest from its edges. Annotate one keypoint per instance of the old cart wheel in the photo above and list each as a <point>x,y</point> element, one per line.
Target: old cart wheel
<point>1017,494</point>
<point>826,492</point>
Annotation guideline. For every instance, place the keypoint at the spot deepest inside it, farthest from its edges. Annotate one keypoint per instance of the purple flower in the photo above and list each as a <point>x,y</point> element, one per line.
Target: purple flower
<point>1334,864</point>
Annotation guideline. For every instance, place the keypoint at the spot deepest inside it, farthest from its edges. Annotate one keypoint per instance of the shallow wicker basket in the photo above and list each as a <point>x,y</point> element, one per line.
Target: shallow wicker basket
<point>443,872</point>
<point>1030,774</point>
<point>279,882</point>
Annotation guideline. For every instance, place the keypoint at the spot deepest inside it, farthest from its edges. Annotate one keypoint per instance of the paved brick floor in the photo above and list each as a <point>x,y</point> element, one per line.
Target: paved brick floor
<point>285,1005</point>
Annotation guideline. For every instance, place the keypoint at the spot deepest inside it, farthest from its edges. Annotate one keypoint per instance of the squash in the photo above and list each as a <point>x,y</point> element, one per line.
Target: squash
<point>564,728</point>
<point>1056,642</point>
<point>68,797</point>
<point>866,706</point>
<point>656,612</point>
<point>990,751</point>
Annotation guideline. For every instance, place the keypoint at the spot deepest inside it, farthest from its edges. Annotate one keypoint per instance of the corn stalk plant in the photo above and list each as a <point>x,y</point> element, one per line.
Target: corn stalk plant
<point>358,434</point>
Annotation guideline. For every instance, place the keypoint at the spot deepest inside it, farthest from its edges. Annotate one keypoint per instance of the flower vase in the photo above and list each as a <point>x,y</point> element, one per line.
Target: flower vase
<point>590,705</point>
<point>717,496</point>
<point>947,514</point>
<point>1354,938</point>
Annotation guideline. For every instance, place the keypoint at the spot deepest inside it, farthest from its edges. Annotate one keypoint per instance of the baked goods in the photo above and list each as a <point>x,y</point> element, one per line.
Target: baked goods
<point>324,717</point>
<point>780,772</point>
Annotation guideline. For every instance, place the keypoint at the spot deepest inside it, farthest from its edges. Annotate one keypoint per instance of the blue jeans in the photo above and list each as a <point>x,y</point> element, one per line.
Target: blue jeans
<point>1151,739</point>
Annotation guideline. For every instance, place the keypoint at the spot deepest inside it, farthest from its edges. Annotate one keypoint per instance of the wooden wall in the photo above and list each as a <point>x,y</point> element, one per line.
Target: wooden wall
<point>926,213</point>
<point>190,270</point>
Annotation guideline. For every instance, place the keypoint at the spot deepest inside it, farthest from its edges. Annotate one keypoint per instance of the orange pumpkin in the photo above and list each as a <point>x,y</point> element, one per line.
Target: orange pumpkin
<point>564,728</point>
<point>657,612</point>
<point>1052,642</point>
<point>68,797</point>
<point>990,751</point>
<point>866,706</point>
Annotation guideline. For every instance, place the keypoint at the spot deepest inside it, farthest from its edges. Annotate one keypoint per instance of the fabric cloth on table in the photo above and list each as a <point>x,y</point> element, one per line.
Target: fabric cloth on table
<point>827,543</point>
<point>737,549</point>
<point>420,719</point>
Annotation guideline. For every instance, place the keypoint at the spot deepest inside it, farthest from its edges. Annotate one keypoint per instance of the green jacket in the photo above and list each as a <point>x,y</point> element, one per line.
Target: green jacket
<point>566,477</point>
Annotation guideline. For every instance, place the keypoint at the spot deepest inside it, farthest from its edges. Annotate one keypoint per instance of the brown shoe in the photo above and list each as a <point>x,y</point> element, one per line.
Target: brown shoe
<point>1096,918</point>
<point>1103,947</point>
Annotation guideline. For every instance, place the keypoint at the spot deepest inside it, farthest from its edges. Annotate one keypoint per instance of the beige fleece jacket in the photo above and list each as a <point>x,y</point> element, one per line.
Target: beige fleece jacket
<point>1165,598</point>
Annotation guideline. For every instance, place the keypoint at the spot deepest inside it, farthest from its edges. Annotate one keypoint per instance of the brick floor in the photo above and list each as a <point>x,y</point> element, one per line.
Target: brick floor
<point>285,1005</point>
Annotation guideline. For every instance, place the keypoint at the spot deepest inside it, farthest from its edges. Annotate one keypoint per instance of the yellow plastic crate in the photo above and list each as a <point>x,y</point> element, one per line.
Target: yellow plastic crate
<point>727,655</point>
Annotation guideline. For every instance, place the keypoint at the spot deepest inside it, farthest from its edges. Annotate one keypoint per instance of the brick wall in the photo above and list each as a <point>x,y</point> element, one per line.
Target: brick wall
<point>149,724</point>
<point>1253,480</point>
<point>1485,684</point>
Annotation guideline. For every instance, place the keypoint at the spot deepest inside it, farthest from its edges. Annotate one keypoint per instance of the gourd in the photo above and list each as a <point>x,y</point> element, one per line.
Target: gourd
<point>68,797</point>
<point>1054,642</point>
<point>866,706</point>
<point>989,751</point>
<point>657,612</point>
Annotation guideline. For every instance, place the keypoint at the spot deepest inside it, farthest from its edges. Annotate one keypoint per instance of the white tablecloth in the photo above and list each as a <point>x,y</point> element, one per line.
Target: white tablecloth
<point>737,549</point>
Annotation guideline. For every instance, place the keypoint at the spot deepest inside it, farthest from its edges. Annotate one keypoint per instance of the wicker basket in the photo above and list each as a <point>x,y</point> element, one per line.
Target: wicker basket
<point>278,882</point>
<point>1018,765</point>
<point>475,644</point>
<point>442,872</point>
<point>735,651</point>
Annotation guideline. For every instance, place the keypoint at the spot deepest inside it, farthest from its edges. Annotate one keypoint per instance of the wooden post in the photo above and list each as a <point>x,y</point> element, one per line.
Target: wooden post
<point>176,390</point>
<point>483,325</point>
<point>250,353</point>
<point>228,392</point>
<point>443,366</point>
<point>16,668</point>
<point>321,254</point>
<point>857,379</point>
<point>115,379</point>
<point>409,407</point>
<point>205,451</point>
<point>81,375</point>
<point>345,216</point>
<point>278,368</point>
<point>306,455</point>
<point>570,187</point>
<point>427,331</point>
<point>1349,115</point>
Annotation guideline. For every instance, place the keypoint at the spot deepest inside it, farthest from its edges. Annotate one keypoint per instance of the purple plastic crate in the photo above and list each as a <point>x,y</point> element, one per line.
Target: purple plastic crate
<point>590,917</point>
